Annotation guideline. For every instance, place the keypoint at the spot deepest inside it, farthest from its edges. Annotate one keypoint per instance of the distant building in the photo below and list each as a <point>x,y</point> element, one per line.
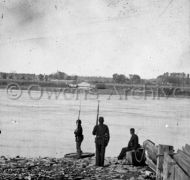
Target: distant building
<point>73,85</point>
<point>84,85</point>
<point>94,79</point>
<point>178,75</point>
<point>61,81</point>
<point>18,76</point>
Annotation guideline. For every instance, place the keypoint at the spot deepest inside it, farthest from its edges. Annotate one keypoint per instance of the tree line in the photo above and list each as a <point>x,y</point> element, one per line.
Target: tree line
<point>179,79</point>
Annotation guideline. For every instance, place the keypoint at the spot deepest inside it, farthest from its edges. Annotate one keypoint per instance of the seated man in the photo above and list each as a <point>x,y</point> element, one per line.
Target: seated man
<point>132,145</point>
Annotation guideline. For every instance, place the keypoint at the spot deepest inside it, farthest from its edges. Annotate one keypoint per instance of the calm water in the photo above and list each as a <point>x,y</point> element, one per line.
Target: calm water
<point>45,127</point>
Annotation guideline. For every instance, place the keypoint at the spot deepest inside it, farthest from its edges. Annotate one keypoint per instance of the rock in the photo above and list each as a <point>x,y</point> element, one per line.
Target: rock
<point>120,171</point>
<point>140,178</point>
<point>99,168</point>
<point>148,173</point>
<point>78,178</point>
<point>116,176</point>
<point>132,178</point>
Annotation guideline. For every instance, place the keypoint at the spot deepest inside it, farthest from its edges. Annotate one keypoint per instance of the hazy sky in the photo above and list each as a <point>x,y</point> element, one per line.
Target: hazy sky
<point>95,37</point>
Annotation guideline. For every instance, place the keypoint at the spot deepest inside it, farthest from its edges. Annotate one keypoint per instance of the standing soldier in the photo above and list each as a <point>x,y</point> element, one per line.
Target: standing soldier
<point>78,137</point>
<point>102,138</point>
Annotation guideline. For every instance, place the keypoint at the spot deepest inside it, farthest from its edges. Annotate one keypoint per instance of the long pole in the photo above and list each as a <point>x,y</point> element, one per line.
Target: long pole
<point>98,112</point>
<point>79,110</point>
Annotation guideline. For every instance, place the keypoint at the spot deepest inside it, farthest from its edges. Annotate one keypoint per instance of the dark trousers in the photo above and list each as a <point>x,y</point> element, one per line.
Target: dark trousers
<point>100,154</point>
<point>78,147</point>
<point>123,152</point>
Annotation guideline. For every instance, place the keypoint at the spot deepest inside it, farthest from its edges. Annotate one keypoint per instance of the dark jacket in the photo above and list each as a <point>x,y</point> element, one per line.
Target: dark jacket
<point>102,134</point>
<point>78,133</point>
<point>134,142</point>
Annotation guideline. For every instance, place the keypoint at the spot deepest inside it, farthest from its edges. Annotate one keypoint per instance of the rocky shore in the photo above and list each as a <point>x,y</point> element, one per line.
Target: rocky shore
<point>69,169</point>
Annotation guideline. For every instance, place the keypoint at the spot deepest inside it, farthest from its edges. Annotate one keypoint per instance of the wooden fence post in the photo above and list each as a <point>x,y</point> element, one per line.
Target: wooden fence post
<point>168,167</point>
<point>160,159</point>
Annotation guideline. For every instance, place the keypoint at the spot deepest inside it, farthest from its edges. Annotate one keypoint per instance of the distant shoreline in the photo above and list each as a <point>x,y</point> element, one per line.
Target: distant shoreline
<point>122,90</point>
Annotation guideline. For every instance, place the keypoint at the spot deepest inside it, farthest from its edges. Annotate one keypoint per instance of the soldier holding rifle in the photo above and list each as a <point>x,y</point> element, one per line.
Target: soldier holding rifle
<point>101,131</point>
<point>79,135</point>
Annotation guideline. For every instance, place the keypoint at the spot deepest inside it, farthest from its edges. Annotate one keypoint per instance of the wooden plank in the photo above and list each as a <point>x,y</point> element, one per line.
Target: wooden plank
<point>184,155</point>
<point>150,153</point>
<point>168,168</point>
<point>186,149</point>
<point>187,146</point>
<point>151,150</point>
<point>183,161</point>
<point>150,164</point>
<point>171,170</point>
<point>179,174</point>
<point>160,156</point>
<point>83,155</point>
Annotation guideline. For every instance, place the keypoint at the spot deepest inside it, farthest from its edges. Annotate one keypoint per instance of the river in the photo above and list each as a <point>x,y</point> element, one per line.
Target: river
<point>44,127</point>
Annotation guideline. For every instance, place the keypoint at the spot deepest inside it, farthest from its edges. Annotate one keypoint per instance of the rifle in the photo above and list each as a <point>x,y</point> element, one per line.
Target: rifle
<point>97,113</point>
<point>79,111</point>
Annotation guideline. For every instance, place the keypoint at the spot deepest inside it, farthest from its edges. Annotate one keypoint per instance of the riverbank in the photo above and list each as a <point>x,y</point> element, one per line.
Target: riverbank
<point>71,169</point>
<point>121,90</point>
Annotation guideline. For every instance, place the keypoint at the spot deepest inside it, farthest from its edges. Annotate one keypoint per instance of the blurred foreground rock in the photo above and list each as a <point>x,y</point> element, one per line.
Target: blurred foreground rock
<point>71,169</point>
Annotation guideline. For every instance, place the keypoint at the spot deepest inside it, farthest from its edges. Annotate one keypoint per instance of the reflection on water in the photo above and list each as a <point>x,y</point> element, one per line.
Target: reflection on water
<point>45,127</point>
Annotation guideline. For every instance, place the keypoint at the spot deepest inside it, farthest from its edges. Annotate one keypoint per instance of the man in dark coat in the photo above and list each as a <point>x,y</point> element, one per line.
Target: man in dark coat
<point>132,145</point>
<point>102,138</point>
<point>78,137</point>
